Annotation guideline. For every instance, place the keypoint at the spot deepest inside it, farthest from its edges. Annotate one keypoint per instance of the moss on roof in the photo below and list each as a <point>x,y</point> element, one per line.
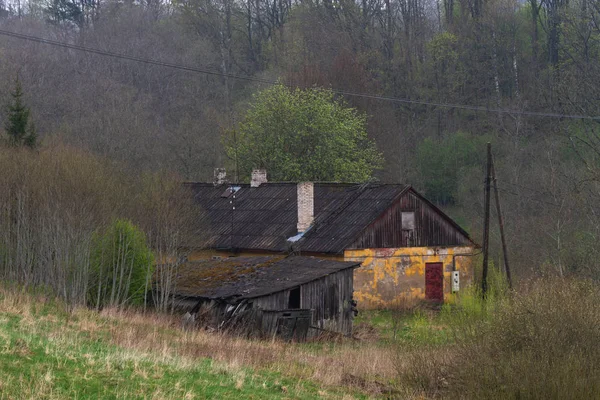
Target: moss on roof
<point>249,277</point>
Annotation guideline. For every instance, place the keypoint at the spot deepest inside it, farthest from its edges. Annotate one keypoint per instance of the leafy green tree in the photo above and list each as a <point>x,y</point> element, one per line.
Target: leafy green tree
<point>20,130</point>
<point>303,135</point>
<point>122,266</point>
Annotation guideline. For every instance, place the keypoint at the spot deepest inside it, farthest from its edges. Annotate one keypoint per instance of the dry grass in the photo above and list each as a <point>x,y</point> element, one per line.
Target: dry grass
<point>357,366</point>
<point>540,343</point>
<point>368,366</point>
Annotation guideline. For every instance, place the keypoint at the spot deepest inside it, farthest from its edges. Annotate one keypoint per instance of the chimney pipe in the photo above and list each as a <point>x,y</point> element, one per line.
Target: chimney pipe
<point>306,205</point>
<point>259,176</point>
<point>220,176</point>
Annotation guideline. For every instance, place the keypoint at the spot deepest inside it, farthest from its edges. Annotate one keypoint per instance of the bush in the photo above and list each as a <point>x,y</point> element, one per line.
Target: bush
<point>539,344</point>
<point>122,266</point>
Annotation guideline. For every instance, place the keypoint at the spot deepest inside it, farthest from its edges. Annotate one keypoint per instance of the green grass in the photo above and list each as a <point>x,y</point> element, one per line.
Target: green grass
<point>398,327</point>
<point>48,353</point>
<point>539,342</point>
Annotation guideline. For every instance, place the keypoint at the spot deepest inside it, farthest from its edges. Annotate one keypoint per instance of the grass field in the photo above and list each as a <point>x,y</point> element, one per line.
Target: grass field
<point>49,352</point>
<point>538,343</point>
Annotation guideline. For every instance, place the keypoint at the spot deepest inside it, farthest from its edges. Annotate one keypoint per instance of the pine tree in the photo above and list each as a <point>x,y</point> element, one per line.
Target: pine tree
<point>20,131</point>
<point>31,138</point>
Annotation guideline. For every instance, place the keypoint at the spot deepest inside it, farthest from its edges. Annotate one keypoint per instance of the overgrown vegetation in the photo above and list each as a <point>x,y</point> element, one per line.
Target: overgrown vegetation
<point>537,343</point>
<point>48,350</point>
<point>60,213</point>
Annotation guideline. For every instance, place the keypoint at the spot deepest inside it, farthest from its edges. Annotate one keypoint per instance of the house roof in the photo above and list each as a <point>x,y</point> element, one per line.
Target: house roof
<point>251,277</point>
<point>265,217</point>
<point>342,220</point>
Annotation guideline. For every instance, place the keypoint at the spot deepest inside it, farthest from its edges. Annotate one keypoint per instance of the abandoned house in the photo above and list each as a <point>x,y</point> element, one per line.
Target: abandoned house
<point>292,297</point>
<point>408,248</point>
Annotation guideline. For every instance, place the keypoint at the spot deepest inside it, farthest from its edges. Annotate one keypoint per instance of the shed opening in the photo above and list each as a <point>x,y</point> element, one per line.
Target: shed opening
<point>294,299</point>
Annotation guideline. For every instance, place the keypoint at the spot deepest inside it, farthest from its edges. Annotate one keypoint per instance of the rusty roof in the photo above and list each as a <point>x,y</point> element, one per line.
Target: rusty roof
<point>265,217</point>
<point>251,277</point>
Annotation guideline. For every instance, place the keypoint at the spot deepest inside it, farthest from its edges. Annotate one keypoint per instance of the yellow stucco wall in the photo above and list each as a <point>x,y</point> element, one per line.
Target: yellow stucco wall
<point>394,277</point>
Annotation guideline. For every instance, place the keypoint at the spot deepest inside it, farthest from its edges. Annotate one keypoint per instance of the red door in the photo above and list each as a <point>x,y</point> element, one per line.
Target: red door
<point>434,281</point>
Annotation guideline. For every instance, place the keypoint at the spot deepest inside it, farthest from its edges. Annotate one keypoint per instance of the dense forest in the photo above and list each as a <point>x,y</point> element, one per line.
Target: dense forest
<point>437,80</point>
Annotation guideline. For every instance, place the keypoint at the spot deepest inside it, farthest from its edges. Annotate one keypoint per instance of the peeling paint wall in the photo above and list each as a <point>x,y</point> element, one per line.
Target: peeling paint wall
<point>393,277</point>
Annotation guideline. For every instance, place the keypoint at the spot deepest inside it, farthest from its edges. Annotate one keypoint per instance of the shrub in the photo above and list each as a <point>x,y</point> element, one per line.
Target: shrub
<point>538,344</point>
<point>122,265</point>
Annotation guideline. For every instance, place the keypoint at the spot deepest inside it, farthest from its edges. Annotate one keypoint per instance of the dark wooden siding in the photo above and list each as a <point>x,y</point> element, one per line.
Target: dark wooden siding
<point>275,301</point>
<point>329,298</point>
<point>431,227</point>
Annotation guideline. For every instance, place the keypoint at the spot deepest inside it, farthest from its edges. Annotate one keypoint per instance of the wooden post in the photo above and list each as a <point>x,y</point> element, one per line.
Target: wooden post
<point>501,224</point>
<point>486,222</point>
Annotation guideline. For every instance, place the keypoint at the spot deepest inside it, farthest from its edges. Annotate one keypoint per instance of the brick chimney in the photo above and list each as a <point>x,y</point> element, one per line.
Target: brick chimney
<point>306,205</point>
<point>259,176</point>
<point>220,176</point>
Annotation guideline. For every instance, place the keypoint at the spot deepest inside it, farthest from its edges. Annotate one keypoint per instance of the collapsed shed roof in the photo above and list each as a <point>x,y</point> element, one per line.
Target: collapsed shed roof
<point>251,277</point>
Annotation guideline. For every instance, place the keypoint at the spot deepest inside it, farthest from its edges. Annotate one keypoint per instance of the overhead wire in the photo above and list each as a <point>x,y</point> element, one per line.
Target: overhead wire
<point>271,82</point>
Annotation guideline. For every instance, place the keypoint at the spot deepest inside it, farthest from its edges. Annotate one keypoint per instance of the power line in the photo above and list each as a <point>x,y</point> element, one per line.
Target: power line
<point>271,82</point>
<point>128,57</point>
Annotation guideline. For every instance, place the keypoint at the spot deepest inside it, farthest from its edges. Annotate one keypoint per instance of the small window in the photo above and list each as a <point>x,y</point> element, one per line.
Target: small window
<point>408,221</point>
<point>294,300</point>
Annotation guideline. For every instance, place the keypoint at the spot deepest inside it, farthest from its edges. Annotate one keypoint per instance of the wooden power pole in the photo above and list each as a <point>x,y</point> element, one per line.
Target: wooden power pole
<point>486,222</point>
<point>501,225</point>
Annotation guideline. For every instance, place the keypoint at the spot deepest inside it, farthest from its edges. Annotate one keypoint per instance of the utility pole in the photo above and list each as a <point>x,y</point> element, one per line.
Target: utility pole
<point>486,222</point>
<point>501,224</point>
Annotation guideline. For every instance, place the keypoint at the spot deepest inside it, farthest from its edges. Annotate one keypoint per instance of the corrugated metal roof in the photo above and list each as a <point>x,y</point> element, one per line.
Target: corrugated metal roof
<point>344,219</point>
<point>250,277</point>
<point>266,216</point>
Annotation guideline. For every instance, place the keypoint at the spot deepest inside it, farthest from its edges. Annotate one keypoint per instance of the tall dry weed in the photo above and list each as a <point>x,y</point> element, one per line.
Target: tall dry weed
<point>537,344</point>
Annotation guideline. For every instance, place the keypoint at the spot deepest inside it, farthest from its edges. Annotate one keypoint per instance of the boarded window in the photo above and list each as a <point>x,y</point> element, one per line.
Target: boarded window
<point>408,221</point>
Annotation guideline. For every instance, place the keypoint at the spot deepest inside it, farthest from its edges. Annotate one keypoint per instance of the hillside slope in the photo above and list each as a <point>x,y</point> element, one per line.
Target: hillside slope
<point>48,352</point>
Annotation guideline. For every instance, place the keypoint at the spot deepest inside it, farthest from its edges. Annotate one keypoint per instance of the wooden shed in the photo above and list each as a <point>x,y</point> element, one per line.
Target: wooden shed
<point>292,297</point>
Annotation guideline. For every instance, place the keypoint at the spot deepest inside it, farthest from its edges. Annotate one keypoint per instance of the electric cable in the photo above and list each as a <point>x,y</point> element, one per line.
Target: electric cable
<point>271,82</point>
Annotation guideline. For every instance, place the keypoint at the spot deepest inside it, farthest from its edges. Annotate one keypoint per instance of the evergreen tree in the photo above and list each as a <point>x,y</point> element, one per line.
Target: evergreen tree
<point>20,131</point>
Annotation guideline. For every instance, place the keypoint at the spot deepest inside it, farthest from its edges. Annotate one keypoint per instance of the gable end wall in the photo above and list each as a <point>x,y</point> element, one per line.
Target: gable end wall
<point>431,228</point>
